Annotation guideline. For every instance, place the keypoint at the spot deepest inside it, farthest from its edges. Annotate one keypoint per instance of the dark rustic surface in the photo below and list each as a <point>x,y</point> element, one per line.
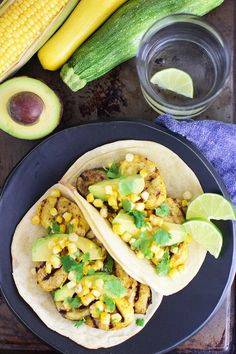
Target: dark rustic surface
<point>118,95</point>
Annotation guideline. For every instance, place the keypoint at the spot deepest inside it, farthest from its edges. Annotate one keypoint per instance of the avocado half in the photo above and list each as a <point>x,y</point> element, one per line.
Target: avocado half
<point>50,114</point>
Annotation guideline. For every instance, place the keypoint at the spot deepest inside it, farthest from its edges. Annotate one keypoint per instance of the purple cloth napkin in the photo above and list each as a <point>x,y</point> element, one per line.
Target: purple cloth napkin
<point>216,140</point>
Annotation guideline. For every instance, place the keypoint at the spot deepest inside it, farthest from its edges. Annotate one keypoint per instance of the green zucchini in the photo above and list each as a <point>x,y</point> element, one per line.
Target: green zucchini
<point>118,39</point>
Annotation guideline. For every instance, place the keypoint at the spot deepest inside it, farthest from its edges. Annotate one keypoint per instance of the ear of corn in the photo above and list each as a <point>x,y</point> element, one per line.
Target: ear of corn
<point>25,25</point>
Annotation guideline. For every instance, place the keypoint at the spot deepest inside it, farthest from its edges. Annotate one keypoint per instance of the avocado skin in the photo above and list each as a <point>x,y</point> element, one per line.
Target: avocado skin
<point>47,121</point>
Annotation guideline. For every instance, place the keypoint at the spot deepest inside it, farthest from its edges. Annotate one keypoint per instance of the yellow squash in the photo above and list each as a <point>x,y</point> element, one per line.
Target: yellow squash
<point>84,20</point>
<point>25,25</point>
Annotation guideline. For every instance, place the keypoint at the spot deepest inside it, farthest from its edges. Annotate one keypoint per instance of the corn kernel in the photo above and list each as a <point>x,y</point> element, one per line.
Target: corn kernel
<point>67,217</point>
<point>55,261</point>
<point>55,193</point>
<point>108,190</point>
<point>144,195</point>
<point>72,248</point>
<point>98,203</point>
<point>118,229</point>
<point>66,306</point>
<point>59,219</point>
<point>88,283</point>
<point>184,203</point>
<point>87,299</point>
<point>73,237</point>
<point>105,318</point>
<point>173,273</point>
<point>35,220</point>
<point>48,268</point>
<point>115,318</point>
<point>33,271</point>
<point>140,255</point>
<point>132,240</point>
<point>94,311</point>
<point>98,265</point>
<point>74,222</point>
<point>181,267</point>
<point>139,206</point>
<point>112,201</point>
<point>78,288</point>
<point>129,157</point>
<point>143,173</point>
<point>156,220</point>
<point>71,275</point>
<point>174,249</point>
<point>154,248</point>
<point>96,293</point>
<point>134,197</point>
<point>187,195</point>
<point>62,228</point>
<point>62,243</point>
<point>71,284</point>
<point>90,198</point>
<point>99,283</point>
<point>104,212</point>
<point>53,211</point>
<point>126,236</point>
<point>56,250</point>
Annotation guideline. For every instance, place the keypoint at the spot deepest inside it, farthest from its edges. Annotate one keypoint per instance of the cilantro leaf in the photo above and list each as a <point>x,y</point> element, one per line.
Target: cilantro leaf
<point>86,257</point>
<point>162,237</point>
<point>109,303</point>
<point>139,218</point>
<point>109,264</point>
<point>114,287</point>
<point>113,171</point>
<point>163,267</point>
<point>79,323</point>
<point>49,230</point>
<point>127,205</point>
<point>70,228</point>
<point>68,263</point>
<point>91,272</point>
<point>140,322</point>
<point>55,228</point>
<point>74,302</point>
<point>163,210</point>
<point>142,244</point>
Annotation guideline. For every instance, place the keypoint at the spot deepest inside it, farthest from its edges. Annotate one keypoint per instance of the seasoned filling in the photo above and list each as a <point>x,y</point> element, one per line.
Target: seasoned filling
<point>131,195</point>
<point>86,284</point>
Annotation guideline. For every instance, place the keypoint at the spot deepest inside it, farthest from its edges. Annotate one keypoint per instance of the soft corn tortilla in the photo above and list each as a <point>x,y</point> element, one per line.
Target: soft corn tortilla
<point>42,302</point>
<point>178,178</point>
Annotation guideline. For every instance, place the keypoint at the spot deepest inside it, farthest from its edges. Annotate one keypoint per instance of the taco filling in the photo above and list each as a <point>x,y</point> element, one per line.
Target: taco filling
<point>86,284</point>
<point>132,196</point>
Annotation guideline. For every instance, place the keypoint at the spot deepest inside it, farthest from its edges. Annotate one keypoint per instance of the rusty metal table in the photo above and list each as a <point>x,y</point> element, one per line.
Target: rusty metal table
<point>117,95</point>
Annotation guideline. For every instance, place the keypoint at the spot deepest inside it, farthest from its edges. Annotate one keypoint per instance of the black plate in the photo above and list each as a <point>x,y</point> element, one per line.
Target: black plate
<point>179,316</point>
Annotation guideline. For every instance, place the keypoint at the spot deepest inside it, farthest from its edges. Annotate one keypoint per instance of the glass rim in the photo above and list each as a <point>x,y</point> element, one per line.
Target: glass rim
<point>163,22</point>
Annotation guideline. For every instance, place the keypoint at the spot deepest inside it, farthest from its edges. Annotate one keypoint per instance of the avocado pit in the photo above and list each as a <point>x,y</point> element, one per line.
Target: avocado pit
<point>25,107</point>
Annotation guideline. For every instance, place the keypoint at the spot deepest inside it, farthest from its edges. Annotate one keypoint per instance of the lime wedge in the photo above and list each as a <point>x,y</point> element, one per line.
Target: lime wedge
<point>211,206</point>
<point>206,234</point>
<point>174,80</point>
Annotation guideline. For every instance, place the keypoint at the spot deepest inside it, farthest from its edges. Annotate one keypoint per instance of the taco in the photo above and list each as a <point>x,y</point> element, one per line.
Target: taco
<point>64,272</point>
<point>135,194</point>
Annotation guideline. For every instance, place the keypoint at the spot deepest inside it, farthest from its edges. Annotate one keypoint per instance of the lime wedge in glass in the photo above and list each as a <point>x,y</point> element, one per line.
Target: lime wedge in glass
<point>206,234</point>
<point>211,206</point>
<point>174,80</point>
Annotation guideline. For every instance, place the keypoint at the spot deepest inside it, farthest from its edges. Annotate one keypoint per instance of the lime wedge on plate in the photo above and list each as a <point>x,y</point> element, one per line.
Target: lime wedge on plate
<point>206,234</point>
<point>211,206</point>
<point>174,80</point>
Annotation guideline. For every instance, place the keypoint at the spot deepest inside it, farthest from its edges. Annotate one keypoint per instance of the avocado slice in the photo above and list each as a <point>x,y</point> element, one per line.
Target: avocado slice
<point>41,251</point>
<point>112,286</point>
<point>125,185</point>
<point>177,232</point>
<point>127,221</point>
<point>62,293</point>
<point>29,108</point>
